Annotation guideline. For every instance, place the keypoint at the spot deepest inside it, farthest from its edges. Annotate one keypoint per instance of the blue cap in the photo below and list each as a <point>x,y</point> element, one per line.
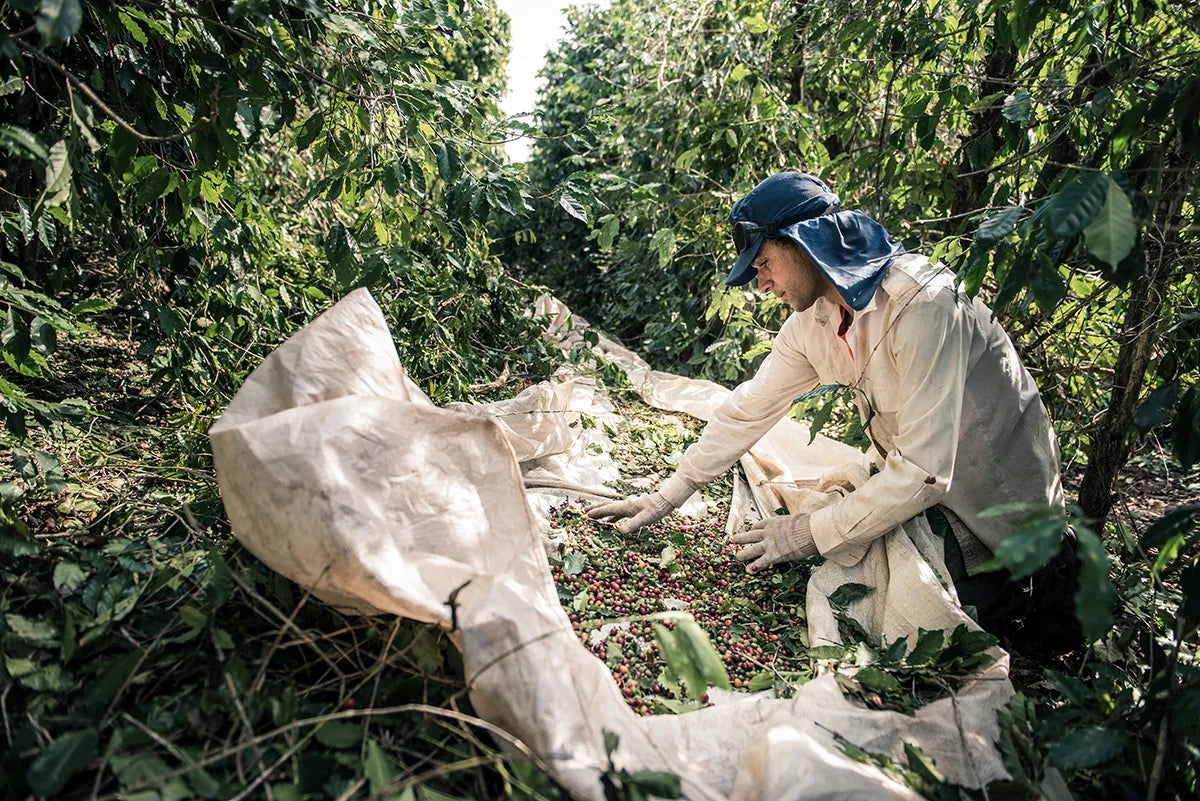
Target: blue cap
<point>849,248</point>
<point>777,202</point>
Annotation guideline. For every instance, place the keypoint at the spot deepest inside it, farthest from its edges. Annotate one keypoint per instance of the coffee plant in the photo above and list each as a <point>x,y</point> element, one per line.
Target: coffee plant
<point>185,183</point>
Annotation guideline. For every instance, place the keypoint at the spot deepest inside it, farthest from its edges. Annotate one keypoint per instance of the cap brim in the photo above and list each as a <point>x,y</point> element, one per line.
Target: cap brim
<point>743,269</point>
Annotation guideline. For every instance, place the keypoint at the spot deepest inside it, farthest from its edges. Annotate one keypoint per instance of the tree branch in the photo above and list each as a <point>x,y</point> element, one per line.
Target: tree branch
<point>86,90</point>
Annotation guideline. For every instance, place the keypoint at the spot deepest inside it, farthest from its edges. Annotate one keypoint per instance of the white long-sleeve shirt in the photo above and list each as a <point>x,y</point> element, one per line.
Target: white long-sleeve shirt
<point>957,415</point>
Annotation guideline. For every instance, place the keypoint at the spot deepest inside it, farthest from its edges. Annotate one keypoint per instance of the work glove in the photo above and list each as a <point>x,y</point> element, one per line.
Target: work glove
<point>784,538</point>
<point>851,475</point>
<point>632,513</point>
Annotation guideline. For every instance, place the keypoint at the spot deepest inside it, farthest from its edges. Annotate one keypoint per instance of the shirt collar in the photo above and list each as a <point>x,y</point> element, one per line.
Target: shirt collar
<point>873,303</point>
<point>826,313</point>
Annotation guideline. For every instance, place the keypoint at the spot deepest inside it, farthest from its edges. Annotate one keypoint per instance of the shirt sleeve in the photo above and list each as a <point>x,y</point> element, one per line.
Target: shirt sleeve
<point>752,408</point>
<point>931,345</point>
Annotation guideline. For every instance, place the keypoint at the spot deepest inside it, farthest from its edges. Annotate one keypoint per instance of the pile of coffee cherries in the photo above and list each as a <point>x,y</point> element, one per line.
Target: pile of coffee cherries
<point>615,588</point>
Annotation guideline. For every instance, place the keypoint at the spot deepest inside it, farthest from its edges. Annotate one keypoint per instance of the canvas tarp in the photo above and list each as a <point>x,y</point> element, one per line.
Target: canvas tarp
<point>340,474</point>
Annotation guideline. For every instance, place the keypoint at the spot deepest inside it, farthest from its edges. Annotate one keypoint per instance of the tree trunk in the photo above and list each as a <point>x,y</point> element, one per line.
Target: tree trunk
<point>972,181</point>
<point>1110,443</point>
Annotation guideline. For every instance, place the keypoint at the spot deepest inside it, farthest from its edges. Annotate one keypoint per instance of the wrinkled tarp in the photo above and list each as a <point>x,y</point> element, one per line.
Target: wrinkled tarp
<point>339,473</point>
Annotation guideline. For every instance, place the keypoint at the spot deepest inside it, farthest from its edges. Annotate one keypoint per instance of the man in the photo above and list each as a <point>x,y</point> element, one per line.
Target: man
<point>955,418</point>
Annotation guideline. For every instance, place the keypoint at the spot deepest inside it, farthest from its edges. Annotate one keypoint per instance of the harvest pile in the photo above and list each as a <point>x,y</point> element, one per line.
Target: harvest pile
<point>621,592</point>
<point>611,583</point>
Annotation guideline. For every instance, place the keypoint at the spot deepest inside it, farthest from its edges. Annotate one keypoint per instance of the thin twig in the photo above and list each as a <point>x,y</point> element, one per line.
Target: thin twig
<point>108,112</point>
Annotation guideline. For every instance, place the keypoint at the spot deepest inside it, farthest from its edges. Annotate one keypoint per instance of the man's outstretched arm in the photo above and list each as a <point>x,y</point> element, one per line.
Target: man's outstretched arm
<point>745,416</point>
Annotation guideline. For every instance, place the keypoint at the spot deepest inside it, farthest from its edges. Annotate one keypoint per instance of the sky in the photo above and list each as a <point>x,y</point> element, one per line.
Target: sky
<point>537,26</point>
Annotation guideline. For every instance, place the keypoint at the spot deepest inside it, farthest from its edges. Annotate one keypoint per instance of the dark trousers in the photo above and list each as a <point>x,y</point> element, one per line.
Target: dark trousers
<point>1038,610</point>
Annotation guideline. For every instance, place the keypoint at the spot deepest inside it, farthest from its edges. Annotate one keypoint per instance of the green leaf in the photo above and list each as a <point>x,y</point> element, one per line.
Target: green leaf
<point>975,270</point>
<point>824,389</point>
<point>22,143</point>
<point>571,205</point>
<point>449,163</point>
<point>52,472</point>
<point>965,643</point>
<point>1073,690</point>
<point>1111,235</point>
<point>339,734</point>
<point>1156,409</point>
<point>667,556</point>
<point>929,644</point>
<point>1018,744</point>
<point>878,680</point>
<point>663,242</point>
<point>763,680</point>
<point>827,652</point>
<point>608,232</point>
<point>1168,554</point>
<point>310,129</point>
<point>71,753</point>
<point>42,335</point>
<point>1177,520</point>
<point>107,686</point>
<point>1085,747</point>
<point>34,632</point>
<point>25,221</point>
<point>23,463</point>
<point>58,176</point>
<point>656,783</point>
<point>91,306</point>
<point>245,118</point>
<point>47,232</point>
<point>68,577</point>
<point>738,72</point>
<point>134,29</point>
<point>849,593</point>
<point>155,185</point>
<point>1073,208</point>
<point>1017,107</point>
<point>982,150</point>
<point>313,769</point>
<point>1048,287</point>
<point>341,249</point>
<point>580,602</point>
<point>756,24</point>
<point>820,417</point>
<point>1029,548</point>
<point>685,159</point>
<point>1096,595</point>
<point>1014,279</point>
<point>922,764</point>
<point>42,678</point>
<point>58,20</point>
<point>378,768</point>
<point>998,225</point>
<point>690,655</point>
<point>573,563</point>
<point>611,741</point>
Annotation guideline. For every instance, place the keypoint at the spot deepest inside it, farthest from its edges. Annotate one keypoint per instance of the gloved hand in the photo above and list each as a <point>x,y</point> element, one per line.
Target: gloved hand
<point>851,475</point>
<point>783,538</point>
<point>645,510</point>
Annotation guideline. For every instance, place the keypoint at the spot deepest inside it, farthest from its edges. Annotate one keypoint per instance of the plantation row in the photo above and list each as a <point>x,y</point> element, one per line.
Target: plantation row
<point>186,183</point>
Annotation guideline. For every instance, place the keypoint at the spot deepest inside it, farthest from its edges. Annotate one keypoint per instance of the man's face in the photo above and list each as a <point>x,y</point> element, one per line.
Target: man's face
<point>788,274</point>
